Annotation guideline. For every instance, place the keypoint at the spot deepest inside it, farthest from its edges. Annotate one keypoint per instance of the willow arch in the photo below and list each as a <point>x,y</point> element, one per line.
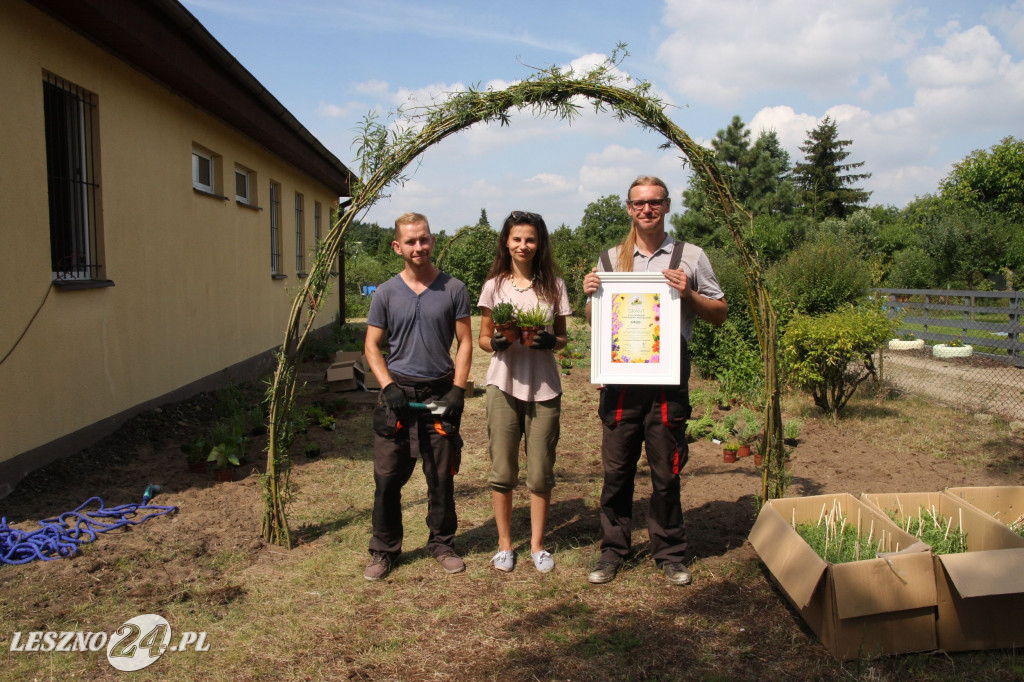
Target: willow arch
<point>386,151</point>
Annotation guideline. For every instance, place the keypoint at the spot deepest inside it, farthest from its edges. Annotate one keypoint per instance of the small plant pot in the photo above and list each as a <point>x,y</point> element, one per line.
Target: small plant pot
<point>728,456</point>
<point>312,451</point>
<point>509,331</point>
<point>527,335</point>
<point>223,475</point>
<point>197,467</point>
<point>758,459</point>
<point>744,450</point>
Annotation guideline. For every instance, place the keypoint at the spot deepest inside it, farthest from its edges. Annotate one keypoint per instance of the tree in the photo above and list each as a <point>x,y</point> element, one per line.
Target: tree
<point>574,257</point>
<point>468,255</point>
<point>758,177</point>
<point>826,185</point>
<point>605,222</point>
<point>990,179</point>
<point>483,218</point>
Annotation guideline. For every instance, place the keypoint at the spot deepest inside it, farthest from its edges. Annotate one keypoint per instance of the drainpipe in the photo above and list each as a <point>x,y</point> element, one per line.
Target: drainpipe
<point>342,313</point>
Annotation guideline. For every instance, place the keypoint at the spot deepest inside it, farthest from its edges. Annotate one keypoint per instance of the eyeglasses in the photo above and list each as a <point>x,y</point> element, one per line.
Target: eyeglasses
<point>525,216</point>
<point>655,204</point>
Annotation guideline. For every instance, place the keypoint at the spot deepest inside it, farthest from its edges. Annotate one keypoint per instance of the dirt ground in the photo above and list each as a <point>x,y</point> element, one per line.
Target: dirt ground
<point>864,452</point>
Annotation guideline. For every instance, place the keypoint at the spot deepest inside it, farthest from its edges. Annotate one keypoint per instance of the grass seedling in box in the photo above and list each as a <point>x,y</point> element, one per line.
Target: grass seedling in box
<point>934,530</point>
<point>838,541</point>
<point>1018,526</point>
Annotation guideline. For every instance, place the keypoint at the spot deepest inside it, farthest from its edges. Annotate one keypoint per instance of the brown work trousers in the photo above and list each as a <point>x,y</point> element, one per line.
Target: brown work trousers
<point>654,416</point>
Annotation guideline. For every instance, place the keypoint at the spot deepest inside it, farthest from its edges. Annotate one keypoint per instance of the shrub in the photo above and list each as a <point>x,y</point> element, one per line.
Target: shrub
<point>823,354</point>
<point>822,276</point>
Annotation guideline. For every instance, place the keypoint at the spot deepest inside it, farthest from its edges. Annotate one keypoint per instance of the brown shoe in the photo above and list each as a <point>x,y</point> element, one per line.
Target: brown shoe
<point>451,562</point>
<point>677,573</point>
<point>379,567</point>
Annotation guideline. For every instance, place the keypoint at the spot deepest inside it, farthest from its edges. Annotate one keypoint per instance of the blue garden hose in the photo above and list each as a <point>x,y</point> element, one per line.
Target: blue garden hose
<point>60,536</point>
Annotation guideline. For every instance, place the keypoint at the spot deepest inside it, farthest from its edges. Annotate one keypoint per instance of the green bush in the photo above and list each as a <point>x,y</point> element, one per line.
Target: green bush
<point>823,354</point>
<point>822,276</point>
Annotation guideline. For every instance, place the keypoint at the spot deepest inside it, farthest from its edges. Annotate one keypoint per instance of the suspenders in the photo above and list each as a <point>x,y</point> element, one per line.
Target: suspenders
<point>673,264</point>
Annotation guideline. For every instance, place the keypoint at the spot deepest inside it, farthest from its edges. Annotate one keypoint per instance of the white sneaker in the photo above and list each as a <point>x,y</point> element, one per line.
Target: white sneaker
<point>543,561</point>
<point>504,560</point>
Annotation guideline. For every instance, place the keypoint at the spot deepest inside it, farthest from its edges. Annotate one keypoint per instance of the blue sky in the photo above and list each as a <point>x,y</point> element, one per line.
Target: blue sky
<point>915,85</point>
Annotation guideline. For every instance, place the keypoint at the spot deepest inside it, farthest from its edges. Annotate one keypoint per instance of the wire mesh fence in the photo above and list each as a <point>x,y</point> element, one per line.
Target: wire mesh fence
<point>963,348</point>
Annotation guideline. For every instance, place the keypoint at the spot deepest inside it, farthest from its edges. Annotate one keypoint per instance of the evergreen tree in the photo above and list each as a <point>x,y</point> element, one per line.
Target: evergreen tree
<point>483,222</point>
<point>826,185</point>
<point>758,176</point>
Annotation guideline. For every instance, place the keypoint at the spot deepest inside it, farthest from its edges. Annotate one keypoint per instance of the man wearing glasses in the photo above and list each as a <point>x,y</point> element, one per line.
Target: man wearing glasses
<point>656,415</point>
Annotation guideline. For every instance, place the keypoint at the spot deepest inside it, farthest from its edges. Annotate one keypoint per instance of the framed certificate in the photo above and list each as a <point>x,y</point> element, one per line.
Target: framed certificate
<point>634,332</point>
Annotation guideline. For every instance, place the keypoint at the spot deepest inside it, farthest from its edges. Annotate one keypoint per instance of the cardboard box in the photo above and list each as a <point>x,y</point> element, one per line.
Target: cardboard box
<point>980,593</point>
<point>861,608</point>
<point>343,368</point>
<point>1004,502</point>
<point>365,377</point>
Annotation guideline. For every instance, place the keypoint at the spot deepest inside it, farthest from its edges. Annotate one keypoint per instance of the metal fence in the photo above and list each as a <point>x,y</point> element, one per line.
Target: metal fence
<point>961,347</point>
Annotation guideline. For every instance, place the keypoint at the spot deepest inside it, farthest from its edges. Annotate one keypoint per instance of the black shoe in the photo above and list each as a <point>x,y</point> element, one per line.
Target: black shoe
<point>379,567</point>
<point>677,573</point>
<point>604,572</point>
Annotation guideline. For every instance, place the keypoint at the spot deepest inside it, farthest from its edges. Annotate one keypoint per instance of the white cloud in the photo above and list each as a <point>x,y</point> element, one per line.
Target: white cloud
<point>720,52</point>
<point>970,57</point>
<point>339,111</point>
<point>1009,21</point>
<point>371,87</point>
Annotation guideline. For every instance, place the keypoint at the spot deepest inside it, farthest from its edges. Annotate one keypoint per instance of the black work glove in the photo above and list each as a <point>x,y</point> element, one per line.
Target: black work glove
<point>455,400</point>
<point>499,342</point>
<point>394,398</point>
<point>543,340</point>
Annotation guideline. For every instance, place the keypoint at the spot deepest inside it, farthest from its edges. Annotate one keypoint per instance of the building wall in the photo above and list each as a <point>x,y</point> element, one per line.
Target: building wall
<point>193,292</point>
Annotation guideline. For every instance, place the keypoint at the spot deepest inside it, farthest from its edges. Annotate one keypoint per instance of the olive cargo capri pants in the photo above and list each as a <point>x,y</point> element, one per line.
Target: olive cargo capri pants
<point>509,420</point>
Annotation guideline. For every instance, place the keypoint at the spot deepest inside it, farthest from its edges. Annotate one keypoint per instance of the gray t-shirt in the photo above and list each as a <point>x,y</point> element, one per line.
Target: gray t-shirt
<point>699,275</point>
<point>420,327</point>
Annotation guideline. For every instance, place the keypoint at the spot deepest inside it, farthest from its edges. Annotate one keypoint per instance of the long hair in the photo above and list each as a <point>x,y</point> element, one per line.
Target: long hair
<point>543,262</point>
<point>625,260</point>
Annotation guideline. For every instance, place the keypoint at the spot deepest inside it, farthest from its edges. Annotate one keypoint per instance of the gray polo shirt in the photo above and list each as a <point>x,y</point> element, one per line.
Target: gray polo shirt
<point>420,327</point>
<point>699,275</point>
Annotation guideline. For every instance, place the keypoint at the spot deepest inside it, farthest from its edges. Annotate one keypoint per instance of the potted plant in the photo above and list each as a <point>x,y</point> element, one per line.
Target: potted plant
<point>227,454</point>
<point>312,451</point>
<point>759,455</point>
<point>953,349</point>
<point>195,454</point>
<point>906,342</point>
<point>532,320</point>
<point>729,451</point>
<point>748,431</point>
<point>791,430</point>
<point>503,315</point>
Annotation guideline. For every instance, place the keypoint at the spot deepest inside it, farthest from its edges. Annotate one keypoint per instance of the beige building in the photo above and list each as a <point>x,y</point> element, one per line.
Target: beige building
<point>158,212</point>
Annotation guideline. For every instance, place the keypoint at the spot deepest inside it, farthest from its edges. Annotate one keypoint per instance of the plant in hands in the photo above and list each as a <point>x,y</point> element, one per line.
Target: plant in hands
<point>503,313</point>
<point>537,316</point>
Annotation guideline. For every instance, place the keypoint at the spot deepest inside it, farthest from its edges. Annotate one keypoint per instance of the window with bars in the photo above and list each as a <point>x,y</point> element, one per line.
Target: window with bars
<point>300,234</point>
<point>317,231</point>
<point>72,169</point>
<point>275,229</point>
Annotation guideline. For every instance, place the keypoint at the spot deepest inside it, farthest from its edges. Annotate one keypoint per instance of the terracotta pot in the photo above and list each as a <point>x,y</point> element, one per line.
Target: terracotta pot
<point>728,456</point>
<point>527,334</point>
<point>744,450</point>
<point>758,457</point>
<point>197,467</point>
<point>509,331</point>
<point>223,474</point>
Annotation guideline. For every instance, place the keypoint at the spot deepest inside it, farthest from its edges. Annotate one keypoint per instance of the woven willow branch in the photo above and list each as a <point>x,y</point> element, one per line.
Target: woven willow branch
<point>385,151</point>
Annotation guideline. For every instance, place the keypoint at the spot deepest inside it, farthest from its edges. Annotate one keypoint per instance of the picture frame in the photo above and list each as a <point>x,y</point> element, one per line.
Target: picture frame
<point>635,330</point>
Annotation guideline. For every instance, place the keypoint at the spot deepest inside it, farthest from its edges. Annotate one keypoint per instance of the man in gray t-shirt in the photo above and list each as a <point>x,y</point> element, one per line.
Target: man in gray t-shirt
<point>654,416</point>
<point>422,309</point>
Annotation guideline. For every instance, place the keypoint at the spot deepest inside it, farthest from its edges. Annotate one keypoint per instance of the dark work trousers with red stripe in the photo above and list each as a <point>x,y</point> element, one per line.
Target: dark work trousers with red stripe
<point>654,416</point>
<point>396,447</point>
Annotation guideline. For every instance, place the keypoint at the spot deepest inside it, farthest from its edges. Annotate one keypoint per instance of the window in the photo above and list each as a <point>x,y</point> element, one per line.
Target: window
<point>275,229</point>
<point>300,234</point>
<point>72,170</point>
<point>317,232</point>
<point>242,186</point>
<point>203,170</point>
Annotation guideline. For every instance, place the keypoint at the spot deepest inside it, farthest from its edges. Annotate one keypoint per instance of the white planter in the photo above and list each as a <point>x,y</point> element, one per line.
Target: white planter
<point>900,344</point>
<point>941,350</point>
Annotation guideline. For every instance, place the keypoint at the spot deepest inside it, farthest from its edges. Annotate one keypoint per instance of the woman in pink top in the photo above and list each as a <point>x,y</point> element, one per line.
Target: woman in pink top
<point>524,388</point>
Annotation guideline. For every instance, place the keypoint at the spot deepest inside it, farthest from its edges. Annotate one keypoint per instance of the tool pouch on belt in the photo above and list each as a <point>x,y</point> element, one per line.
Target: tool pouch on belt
<point>419,425</point>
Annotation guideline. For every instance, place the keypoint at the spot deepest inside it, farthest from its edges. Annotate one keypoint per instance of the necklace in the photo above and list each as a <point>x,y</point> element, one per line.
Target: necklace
<point>512,281</point>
